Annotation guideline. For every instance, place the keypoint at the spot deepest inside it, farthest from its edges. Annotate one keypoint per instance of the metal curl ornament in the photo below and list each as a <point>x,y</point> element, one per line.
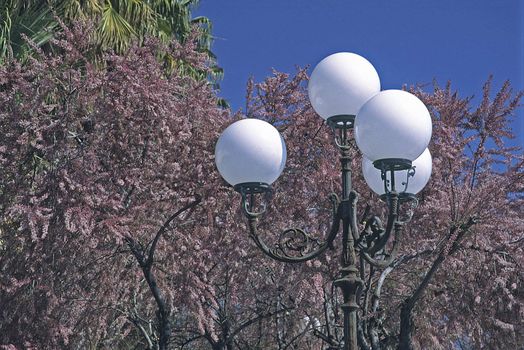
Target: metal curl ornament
<point>410,173</point>
<point>296,245</point>
<point>296,241</point>
<point>340,125</point>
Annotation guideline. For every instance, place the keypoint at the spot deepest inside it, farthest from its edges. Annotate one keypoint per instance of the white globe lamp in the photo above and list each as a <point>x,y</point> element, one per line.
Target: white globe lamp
<point>250,151</point>
<point>393,124</point>
<point>341,83</point>
<point>392,129</point>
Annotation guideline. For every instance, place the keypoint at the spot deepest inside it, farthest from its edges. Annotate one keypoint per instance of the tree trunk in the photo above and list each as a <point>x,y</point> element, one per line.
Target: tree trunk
<point>406,326</point>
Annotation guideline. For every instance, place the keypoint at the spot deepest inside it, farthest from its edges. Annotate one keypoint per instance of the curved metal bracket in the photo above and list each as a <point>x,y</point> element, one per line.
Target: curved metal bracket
<point>403,198</point>
<point>377,237</point>
<point>341,124</point>
<point>410,173</point>
<point>392,220</point>
<point>295,245</point>
<point>412,201</point>
<point>381,263</point>
<point>391,165</point>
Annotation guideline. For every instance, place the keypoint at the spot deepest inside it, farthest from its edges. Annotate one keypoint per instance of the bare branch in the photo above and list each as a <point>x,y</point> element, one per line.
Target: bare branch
<point>406,313</point>
<point>164,227</point>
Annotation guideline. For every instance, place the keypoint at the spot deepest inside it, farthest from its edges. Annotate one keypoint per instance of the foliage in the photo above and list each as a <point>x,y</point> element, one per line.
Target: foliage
<point>90,157</point>
<point>19,18</point>
<point>117,24</point>
<point>475,176</point>
<point>94,160</point>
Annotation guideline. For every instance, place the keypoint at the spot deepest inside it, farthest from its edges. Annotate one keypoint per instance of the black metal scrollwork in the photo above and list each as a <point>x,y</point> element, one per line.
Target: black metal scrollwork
<point>295,245</point>
<point>297,241</point>
<point>409,173</point>
<point>411,202</point>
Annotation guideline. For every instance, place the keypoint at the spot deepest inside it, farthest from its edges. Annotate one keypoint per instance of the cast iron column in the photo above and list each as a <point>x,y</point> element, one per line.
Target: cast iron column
<point>349,282</point>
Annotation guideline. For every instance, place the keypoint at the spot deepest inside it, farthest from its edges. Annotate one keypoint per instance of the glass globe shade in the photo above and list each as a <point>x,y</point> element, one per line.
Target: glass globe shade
<point>250,150</point>
<point>341,83</point>
<point>422,165</point>
<point>393,124</point>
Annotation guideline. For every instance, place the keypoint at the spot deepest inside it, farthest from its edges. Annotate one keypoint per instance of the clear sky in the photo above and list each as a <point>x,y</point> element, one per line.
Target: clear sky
<point>408,41</point>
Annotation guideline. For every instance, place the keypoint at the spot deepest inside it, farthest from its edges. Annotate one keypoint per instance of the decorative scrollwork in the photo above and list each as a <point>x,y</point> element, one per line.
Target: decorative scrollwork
<point>341,124</point>
<point>372,233</point>
<point>409,173</point>
<point>411,202</point>
<point>249,192</point>
<point>295,245</point>
<point>375,236</point>
<point>296,242</point>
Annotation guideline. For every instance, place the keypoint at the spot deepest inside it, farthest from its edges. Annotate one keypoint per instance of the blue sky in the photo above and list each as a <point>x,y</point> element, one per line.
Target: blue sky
<point>408,41</point>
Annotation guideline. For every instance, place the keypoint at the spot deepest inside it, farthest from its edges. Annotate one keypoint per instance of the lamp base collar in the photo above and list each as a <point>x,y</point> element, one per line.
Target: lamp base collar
<point>252,187</point>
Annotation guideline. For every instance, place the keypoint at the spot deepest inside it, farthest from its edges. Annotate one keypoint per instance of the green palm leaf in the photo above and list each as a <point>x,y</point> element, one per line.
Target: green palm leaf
<point>114,31</point>
<point>34,20</point>
<point>118,23</point>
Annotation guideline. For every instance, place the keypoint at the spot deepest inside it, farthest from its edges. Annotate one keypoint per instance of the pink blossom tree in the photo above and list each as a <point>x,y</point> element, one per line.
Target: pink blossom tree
<point>94,161</point>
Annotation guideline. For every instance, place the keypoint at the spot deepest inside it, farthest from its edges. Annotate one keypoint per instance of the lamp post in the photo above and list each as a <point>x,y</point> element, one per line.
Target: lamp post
<point>392,129</point>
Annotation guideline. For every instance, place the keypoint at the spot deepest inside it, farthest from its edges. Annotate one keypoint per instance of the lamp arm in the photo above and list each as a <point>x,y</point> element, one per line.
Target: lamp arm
<point>392,255</point>
<point>391,223</point>
<point>295,245</point>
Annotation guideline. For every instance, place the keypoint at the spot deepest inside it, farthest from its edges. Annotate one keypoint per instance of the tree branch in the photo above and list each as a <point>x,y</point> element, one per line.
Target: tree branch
<point>143,331</point>
<point>164,227</point>
<point>406,313</point>
<point>257,318</point>
<point>163,312</point>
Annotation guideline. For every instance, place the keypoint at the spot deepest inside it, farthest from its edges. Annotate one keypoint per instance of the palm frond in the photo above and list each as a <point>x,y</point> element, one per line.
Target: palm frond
<point>114,31</point>
<point>33,20</point>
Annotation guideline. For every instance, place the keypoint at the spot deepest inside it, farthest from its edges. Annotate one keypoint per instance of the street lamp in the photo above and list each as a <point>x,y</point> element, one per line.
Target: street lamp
<point>392,129</point>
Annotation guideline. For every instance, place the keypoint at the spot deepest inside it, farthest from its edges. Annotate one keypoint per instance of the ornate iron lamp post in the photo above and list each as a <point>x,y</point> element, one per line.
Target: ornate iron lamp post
<point>392,129</point>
